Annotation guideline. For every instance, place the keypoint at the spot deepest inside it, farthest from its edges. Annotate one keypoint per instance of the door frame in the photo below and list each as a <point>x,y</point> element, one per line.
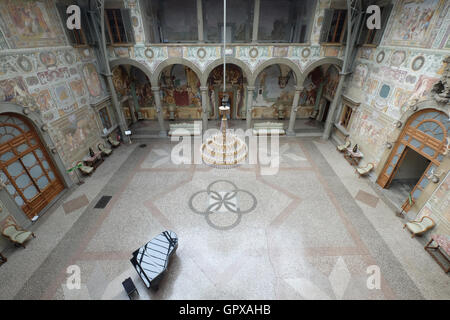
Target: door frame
<point>405,138</point>
<point>34,206</point>
<point>41,129</point>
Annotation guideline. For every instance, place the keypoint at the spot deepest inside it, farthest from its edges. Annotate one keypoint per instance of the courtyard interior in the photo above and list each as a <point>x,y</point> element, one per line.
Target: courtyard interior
<point>312,230</point>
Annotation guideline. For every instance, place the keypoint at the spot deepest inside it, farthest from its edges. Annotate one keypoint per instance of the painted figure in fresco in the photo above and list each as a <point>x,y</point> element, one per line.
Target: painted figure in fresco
<point>92,80</point>
<point>414,20</point>
<point>423,87</point>
<point>28,19</point>
<point>11,89</point>
<point>43,100</point>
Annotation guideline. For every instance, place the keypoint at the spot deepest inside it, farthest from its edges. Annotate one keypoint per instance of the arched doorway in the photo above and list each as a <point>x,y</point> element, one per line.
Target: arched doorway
<point>417,152</point>
<point>234,91</point>
<point>26,169</point>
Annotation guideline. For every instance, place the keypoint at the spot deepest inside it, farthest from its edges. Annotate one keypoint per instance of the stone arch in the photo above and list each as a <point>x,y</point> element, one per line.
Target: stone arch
<point>131,62</point>
<point>294,67</point>
<point>409,134</point>
<point>329,60</point>
<point>171,61</point>
<point>421,105</point>
<point>230,60</point>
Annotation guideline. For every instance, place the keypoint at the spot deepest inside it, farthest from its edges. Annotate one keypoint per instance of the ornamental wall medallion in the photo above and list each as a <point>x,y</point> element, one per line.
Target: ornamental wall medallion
<point>418,63</point>
<point>25,64</point>
<point>253,53</point>
<point>306,52</point>
<point>380,56</point>
<point>201,53</point>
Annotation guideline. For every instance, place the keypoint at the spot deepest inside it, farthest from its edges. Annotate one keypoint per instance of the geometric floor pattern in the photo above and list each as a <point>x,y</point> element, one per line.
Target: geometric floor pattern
<point>301,234</point>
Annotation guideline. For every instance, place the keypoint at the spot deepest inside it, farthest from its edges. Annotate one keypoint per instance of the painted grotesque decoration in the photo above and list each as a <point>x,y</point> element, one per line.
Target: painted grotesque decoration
<point>284,77</point>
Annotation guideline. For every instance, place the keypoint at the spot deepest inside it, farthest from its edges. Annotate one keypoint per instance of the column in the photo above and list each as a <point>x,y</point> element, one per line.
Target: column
<point>200,21</point>
<point>205,107</point>
<point>159,113</point>
<point>256,21</point>
<point>117,107</point>
<point>250,91</point>
<point>331,112</point>
<point>290,130</point>
<point>135,98</point>
<point>132,109</point>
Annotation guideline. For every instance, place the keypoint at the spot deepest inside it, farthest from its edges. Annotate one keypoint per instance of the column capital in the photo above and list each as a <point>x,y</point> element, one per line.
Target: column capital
<point>251,88</point>
<point>204,88</point>
<point>299,88</point>
<point>155,88</point>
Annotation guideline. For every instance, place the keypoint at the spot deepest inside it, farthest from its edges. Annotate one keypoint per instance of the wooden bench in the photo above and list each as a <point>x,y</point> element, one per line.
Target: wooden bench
<point>268,128</point>
<point>185,129</point>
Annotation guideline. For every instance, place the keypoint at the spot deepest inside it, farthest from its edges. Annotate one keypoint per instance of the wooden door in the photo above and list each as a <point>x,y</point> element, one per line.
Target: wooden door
<point>25,167</point>
<point>425,132</point>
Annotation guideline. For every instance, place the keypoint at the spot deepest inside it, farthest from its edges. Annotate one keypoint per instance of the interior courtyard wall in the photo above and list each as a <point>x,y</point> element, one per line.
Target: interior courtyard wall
<point>38,69</point>
<point>401,71</point>
<point>404,67</point>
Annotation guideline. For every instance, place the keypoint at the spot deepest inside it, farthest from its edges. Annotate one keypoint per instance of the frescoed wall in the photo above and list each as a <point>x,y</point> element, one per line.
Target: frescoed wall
<point>180,93</point>
<point>387,77</point>
<point>40,71</point>
<point>75,133</point>
<point>30,24</point>
<point>416,23</point>
<point>274,92</point>
<point>235,82</point>
<point>438,206</point>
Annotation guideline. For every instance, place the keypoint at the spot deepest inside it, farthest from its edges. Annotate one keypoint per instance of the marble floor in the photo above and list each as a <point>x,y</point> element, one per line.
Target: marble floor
<point>312,230</point>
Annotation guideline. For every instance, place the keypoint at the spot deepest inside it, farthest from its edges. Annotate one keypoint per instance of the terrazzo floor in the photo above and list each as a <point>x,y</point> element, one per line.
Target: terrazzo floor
<point>312,230</point>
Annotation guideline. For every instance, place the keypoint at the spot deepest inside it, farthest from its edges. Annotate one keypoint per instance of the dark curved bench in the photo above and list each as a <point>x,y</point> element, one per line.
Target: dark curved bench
<point>152,260</point>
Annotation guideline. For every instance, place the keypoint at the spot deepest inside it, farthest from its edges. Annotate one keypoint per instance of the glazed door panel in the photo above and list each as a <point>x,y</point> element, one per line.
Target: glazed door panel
<point>392,166</point>
<point>27,171</point>
<point>418,188</point>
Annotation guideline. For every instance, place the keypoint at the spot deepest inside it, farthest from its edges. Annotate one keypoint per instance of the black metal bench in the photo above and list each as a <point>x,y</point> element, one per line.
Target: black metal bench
<point>129,287</point>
